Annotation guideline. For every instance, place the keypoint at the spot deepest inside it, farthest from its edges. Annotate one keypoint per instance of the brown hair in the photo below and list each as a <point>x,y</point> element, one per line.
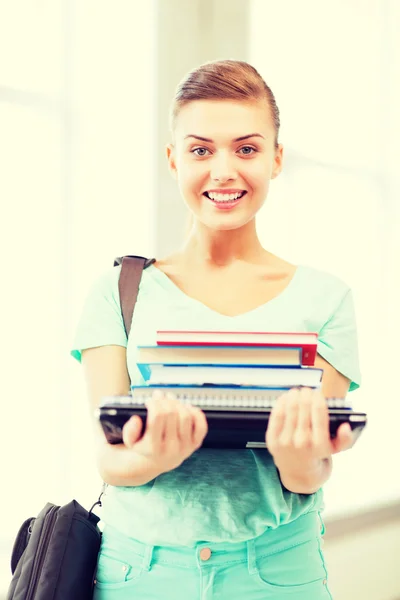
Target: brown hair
<point>224,80</point>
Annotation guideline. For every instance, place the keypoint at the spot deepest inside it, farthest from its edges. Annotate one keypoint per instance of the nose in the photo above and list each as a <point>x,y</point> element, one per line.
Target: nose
<point>223,169</point>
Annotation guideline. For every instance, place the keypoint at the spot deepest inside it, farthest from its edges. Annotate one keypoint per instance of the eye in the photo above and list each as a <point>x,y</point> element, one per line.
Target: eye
<point>199,151</point>
<point>247,150</point>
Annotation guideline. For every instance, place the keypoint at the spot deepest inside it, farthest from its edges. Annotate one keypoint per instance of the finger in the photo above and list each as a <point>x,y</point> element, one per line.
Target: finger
<point>302,437</point>
<point>200,428</point>
<point>291,418</point>
<point>344,438</point>
<point>276,421</point>
<point>170,413</point>
<point>186,425</point>
<point>320,420</point>
<point>132,430</point>
<point>155,419</point>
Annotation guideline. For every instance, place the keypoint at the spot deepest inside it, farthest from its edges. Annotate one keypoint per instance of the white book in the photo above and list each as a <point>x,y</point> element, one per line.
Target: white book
<point>235,375</point>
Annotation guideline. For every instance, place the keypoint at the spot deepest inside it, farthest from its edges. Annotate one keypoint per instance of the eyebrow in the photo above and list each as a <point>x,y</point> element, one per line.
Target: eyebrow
<point>239,139</point>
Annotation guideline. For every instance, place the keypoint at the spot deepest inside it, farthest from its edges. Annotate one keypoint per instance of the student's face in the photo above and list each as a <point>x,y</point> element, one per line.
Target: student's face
<point>223,164</point>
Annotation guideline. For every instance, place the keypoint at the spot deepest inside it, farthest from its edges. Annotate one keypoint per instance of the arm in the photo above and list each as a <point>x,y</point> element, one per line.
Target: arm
<point>307,475</point>
<point>106,374</point>
<point>307,482</point>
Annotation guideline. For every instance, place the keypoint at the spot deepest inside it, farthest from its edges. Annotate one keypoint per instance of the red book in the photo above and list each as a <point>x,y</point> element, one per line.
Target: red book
<point>306,340</point>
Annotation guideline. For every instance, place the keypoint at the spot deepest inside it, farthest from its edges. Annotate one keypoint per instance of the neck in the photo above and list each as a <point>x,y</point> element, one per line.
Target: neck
<point>222,248</point>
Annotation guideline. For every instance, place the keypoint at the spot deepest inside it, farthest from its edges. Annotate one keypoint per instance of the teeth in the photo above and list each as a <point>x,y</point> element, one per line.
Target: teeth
<point>224,197</point>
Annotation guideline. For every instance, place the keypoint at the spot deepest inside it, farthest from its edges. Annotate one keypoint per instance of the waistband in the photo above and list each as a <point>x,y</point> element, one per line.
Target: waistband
<point>203,554</point>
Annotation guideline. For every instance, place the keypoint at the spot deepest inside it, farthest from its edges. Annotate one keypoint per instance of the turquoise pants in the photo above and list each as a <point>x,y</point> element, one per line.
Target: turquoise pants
<point>282,563</point>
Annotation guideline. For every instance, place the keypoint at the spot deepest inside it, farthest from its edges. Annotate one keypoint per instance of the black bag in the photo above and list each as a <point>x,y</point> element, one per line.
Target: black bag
<point>55,554</point>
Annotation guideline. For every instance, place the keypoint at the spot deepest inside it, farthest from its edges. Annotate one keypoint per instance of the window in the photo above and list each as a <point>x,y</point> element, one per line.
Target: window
<point>76,153</point>
<point>330,70</point>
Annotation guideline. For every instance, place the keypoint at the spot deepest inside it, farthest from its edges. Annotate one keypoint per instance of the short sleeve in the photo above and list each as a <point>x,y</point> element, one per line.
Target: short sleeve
<point>338,341</point>
<point>101,322</point>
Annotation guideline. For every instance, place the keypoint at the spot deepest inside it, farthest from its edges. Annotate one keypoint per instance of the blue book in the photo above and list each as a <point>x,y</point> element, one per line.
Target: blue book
<point>238,374</point>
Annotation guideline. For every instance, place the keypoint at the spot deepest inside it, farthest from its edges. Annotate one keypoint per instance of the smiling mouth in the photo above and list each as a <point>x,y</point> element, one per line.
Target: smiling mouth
<point>224,198</point>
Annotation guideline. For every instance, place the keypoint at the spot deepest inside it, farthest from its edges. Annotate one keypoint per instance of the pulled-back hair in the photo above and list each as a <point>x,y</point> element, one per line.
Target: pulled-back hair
<point>224,80</point>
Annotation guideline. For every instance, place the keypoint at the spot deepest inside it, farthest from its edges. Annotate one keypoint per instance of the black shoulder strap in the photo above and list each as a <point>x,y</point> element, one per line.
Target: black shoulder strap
<point>128,284</point>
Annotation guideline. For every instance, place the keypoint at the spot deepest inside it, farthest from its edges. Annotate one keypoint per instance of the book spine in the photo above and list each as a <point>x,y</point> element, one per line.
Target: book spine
<point>145,370</point>
<point>308,351</point>
<point>241,375</point>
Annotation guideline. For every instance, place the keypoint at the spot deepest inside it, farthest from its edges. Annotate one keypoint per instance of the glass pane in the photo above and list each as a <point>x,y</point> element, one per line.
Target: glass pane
<point>114,164</point>
<point>76,197</point>
<point>32,45</point>
<point>332,69</point>
<point>334,221</point>
<point>324,65</point>
<point>31,188</point>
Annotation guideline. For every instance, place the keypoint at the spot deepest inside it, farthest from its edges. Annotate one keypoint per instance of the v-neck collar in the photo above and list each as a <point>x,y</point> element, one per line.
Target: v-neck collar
<point>175,289</point>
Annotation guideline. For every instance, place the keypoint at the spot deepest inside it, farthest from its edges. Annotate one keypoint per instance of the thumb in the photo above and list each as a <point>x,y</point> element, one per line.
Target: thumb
<point>132,430</point>
<point>344,440</point>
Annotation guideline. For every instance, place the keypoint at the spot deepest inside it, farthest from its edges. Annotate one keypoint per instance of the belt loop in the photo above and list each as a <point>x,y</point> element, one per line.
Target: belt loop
<point>147,557</point>
<point>251,557</point>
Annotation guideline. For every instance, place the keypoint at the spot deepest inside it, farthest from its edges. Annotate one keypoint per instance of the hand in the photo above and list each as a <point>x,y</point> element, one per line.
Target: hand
<point>173,432</point>
<point>298,435</point>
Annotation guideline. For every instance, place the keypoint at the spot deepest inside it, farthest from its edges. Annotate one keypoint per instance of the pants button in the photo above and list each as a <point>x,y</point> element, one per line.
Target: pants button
<point>205,553</point>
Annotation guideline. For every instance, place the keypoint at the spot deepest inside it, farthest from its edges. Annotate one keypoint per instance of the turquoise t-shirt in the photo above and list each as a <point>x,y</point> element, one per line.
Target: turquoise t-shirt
<point>216,495</point>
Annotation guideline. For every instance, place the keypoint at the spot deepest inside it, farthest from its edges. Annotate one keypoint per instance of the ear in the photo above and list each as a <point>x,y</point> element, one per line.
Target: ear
<point>170,149</point>
<point>278,162</point>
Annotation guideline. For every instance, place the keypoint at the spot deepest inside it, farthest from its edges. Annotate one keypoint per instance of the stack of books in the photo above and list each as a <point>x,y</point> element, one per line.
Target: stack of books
<point>234,374</point>
<point>235,377</point>
<point>230,363</point>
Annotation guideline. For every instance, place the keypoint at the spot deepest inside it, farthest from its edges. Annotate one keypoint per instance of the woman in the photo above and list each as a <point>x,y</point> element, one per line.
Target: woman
<point>181,521</point>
